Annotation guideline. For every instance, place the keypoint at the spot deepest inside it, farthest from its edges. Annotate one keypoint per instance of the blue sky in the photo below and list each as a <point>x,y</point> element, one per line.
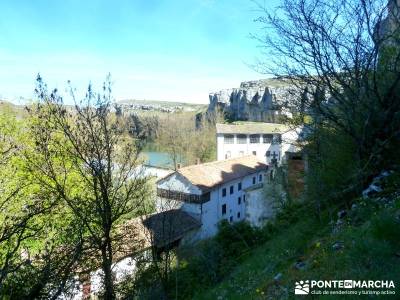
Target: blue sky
<point>154,49</point>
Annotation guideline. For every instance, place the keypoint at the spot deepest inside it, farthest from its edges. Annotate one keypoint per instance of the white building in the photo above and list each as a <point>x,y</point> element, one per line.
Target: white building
<point>264,140</point>
<point>211,192</point>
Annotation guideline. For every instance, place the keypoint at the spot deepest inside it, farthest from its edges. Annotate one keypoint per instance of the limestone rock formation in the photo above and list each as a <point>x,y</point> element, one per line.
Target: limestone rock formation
<point>261,100</point>
<point>388,28</point>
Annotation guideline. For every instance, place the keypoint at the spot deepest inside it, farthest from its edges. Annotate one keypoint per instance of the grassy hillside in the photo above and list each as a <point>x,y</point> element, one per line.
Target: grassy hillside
<point>364,245</point>
<point>8,107</point>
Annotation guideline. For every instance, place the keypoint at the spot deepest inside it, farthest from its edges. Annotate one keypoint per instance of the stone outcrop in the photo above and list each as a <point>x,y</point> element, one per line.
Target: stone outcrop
<point>388,29</point>
<point>261,100</point>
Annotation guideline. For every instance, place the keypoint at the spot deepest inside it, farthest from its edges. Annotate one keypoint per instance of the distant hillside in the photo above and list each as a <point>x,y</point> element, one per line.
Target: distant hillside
<point>127,105</point>
<point>6,105</point>
<point>18,110</point>
<point>163,106</point>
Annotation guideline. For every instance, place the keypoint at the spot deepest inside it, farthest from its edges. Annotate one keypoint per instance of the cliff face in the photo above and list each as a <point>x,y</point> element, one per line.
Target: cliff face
<point>388,29</point>
<point>260,100</point>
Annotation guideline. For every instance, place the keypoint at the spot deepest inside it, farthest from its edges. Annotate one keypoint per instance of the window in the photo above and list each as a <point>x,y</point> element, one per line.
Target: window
<point>231,219</point>
<point>228,139</point>
<point>254,180</point>
<point>267,138</point>
<point>238,215</point>
<point>244,198</point>
<point>254,152</point>
<point>231,190</point>
<point>239,186</point>
<point>223,192</point>
<point>223,209</point>
<point>254,138</point>
<point>260,177</point>
<point>241,139</point>
<point>239,200</point>
<point>275,157</point>
<point>228,154</point>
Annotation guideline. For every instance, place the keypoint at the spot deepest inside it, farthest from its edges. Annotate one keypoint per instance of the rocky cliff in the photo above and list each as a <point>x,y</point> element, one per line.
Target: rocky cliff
<point>387,30</point>
<point>261,100</point>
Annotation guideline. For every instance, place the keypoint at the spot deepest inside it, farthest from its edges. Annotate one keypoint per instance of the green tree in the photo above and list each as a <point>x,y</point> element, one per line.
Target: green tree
<point>40,243</point>
<point>84,157</point>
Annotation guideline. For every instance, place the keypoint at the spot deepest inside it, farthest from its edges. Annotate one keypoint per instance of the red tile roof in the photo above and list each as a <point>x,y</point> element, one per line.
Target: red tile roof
<point>208,175</point>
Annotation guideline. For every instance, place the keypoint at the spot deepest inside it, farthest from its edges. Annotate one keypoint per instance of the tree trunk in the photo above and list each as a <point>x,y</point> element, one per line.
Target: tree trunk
<point>106,253</point>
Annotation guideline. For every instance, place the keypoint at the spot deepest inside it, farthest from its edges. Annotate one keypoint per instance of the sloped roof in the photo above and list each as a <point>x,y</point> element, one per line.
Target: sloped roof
<point>158,229</point>
<point>206,176</point>
<point>251,127</point>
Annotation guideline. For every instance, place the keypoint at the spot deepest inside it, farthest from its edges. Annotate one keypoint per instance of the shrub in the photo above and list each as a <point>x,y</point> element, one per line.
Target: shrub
<point>385,227</point>
<point>237,238</point>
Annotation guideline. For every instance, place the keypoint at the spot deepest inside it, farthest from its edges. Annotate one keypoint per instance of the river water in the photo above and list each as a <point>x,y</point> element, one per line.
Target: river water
<point>157,159</point>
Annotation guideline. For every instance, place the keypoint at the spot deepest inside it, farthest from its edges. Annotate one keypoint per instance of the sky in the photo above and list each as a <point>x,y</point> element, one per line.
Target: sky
<point>174,50</point>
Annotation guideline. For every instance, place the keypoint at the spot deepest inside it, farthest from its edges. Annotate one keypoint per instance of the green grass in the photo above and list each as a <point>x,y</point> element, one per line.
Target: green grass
<point>369,253</point>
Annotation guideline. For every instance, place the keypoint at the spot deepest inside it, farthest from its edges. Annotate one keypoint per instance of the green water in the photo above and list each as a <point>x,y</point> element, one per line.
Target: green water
<point>159,159</point>
<point>156,157</point>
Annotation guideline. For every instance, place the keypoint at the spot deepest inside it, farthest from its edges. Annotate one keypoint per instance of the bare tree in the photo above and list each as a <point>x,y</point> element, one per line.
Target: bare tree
<point>85,158</point>
<point>187,140</point>
<point>342,58</point>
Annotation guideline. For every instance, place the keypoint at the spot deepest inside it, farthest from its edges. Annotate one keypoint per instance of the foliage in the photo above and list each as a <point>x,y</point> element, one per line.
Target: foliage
<point>144,284</point>
<point>34,226</point>
<point>185,143</point>
<point>386,227</point>
<point>343,65</point>
<point>180,134</point>
<point>276,188</point>
<point>370,242</point>
<point>332,167</point>
<point>143,127</point>
<point>85,158</point>
<point>236,239</point>
<point>342,60</point>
